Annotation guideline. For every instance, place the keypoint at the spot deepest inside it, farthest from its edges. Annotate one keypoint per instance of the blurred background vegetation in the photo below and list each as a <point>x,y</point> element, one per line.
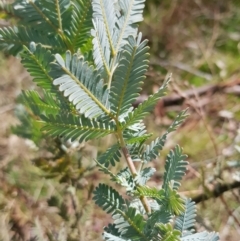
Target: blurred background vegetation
<point>46,187</point>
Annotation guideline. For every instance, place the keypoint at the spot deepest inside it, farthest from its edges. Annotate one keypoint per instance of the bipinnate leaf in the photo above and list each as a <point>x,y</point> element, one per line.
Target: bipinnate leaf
<point>136,133</point>
<point>130,15</point>
<point>49,104</point>
<point>75,128</point>
<point>151,192</point>
<point>81,84</point>
<point>158,216</point>
<point>152,150</point>
<point>12,40</point>
<point>125,179</point>
<point>186,220</point>
<point>108,199</point>
<point>111,229</point>
<point>137,204</point>
<point>130,224</point>
<point>36,60</point>
<point>104,11</point>
<point>178,121</point>
<point>106,170</point>
<point>128,76</point>
<point>172,201</point>
<point>136,149</point>
<point>175,168</point>
<point>113,23</point>
<point>144,108</point>
<point>81,102</point>
<point>104,35</point>
<point>135,137</point>
<point>58,25</point>
<point>81,23</point>
<point>167,233</point>
<point>144,175</point>
<point>101,48</point>
<point>44,15</point>
<point>111,156</point>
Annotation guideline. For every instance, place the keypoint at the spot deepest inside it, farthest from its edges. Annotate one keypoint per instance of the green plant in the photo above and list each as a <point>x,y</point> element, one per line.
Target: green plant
<point>89,63</point>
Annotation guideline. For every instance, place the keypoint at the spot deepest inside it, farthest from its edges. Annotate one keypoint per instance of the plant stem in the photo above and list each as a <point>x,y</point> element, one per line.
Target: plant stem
<point>132,169</point>
<point>145,204</point>
<point>129,161</point>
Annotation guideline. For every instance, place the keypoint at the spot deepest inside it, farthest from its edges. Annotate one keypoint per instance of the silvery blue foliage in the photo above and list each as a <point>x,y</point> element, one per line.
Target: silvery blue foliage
<point>89,60</point>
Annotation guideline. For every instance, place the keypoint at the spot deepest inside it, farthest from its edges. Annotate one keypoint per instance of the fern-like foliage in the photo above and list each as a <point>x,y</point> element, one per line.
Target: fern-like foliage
<point>159,216</point>
<point>152,150</point>
<point>130,16</point>
<point>127,81</point>
<point>89,63</point>
<point>51,100</point>
<point>105,12</point>
<point>46,105</point>
<point>12,39</point>
<point>169,199</point>
<point>75,128</point>
<point>108,199</point>
<point>144,108</point>
<point>57,25</point>
<point>104,28</point>
<point>111,229</point>
<point>125,178</point>
<point>36,60</point>
<point>113,24</point>
<point>130,224</point>
<point>144,175</point>
<point>81,84</point>
<point>185,222</point>
<point>175,168</point>
<point>173,202</point>
<point>101,49</point>
<point>135,137</point>
<point>167,233</point>
<point>81,24</point>
<point>50,16</point>
<point>111,156</point>
<point>151,192</point>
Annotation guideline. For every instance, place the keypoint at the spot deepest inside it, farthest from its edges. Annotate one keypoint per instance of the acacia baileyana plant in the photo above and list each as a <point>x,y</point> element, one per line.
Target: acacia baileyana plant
<point>89,61</point>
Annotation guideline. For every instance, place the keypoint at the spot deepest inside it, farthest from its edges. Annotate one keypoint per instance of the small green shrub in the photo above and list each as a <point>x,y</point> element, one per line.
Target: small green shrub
<point>89,62</point>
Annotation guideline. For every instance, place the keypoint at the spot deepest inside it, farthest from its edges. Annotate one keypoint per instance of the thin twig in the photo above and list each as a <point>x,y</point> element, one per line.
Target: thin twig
<point>217,191</point>
<point>230,87</point>
<point>132,170</point>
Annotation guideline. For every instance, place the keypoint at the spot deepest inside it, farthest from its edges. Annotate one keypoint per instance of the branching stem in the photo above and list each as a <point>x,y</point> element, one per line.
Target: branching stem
<point>132,169</point>
<point>129,161</point>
